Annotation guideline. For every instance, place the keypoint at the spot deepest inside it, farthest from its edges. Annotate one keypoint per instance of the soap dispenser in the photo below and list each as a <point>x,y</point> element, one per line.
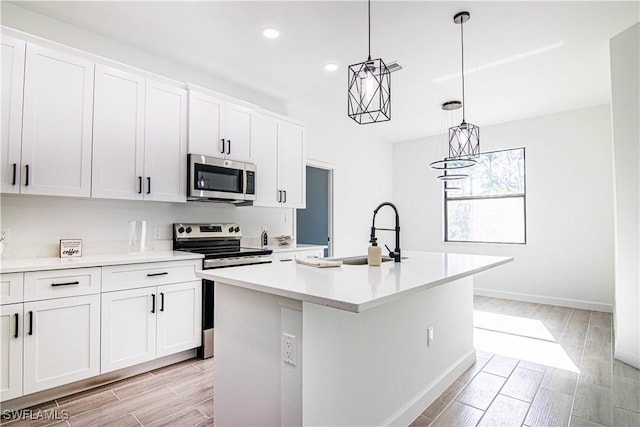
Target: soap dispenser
<point>374,254</point>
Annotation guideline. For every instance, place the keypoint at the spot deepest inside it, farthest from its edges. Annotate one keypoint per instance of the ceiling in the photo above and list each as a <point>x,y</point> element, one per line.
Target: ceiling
<point>523,59</point>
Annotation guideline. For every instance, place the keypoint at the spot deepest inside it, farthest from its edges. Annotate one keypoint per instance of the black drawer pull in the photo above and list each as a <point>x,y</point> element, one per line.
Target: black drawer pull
<point>16,334</point>
<point>157,274</point>
<point>161,301</point>
<point>26,179</point>
<point>31,323</point>
<point>148,185</point>
<point>153,303</point>
<point>66,283</point>
<point>139,185</point>
<point>13,181</point>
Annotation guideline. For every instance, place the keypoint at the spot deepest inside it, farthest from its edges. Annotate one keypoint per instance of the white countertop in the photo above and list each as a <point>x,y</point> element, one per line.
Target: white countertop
<point>355,288</point>
<point>54,263</point>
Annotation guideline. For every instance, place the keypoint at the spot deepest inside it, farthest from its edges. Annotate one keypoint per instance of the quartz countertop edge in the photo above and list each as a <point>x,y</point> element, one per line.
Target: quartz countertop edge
<point>54,263</point>
<point>304,283</point>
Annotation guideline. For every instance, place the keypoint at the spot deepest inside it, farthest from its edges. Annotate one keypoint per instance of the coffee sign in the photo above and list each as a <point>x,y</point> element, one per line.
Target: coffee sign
<point>70,248</point>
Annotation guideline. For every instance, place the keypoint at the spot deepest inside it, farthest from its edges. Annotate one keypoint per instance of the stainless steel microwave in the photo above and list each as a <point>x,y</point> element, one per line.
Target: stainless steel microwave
<point>219,180</point>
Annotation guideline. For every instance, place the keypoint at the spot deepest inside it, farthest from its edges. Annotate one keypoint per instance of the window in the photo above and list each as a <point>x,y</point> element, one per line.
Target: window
<point>490,205</point>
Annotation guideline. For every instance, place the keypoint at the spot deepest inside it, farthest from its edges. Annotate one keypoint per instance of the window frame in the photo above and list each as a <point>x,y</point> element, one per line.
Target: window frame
<point>523,196</point>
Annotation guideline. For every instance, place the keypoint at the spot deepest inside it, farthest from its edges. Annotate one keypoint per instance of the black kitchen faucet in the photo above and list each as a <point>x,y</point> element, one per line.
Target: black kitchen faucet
<point>395,254</point>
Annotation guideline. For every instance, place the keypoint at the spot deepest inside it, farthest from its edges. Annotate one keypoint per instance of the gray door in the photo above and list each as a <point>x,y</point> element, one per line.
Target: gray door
<point>312,223</point>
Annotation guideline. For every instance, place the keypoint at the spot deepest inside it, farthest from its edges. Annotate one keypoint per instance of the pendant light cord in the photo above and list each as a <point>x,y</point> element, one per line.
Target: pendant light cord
<point>369,17</point>
<point>462,45</point>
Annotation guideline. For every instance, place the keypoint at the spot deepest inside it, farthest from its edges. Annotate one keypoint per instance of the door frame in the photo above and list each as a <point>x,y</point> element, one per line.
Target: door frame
<point>329,167</point>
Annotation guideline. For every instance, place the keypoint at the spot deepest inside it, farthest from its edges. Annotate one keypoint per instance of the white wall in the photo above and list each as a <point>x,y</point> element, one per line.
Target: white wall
<point>362,174</point>
<point>568,258</point>
<point>359,162</point>
<point>625,85</point>
<point>37,223</point>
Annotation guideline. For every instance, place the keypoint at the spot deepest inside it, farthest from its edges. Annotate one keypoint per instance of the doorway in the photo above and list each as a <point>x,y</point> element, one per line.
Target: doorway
<point>314,223</point>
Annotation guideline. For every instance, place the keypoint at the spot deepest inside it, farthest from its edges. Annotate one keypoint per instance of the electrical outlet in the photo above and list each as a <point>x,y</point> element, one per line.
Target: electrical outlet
<point>5,235</point>
<point>289,349</point>
<point>156,232</point>
<point>429,336</point>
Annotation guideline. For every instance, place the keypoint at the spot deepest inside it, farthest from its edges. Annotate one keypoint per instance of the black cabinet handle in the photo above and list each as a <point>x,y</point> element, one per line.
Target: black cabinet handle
<point>16,334</point>
<point>139,185</point>
<point>153,303</point>
<point>279,196</point>
<point>31,323</point>
<point>161,301</point>
<point>285,196</point>
<point>228,146</point>
<point>148,185</point>
<point>26,179</point>
<point>222,151</point>
<point>65,284</point>
<point>15,167</point>
<point>164,273</point>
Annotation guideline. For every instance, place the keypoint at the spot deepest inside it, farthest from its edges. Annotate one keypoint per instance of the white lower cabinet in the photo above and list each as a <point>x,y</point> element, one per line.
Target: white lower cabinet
<point>61,341</point>
<point>142,324</point>
<point>11,351</point>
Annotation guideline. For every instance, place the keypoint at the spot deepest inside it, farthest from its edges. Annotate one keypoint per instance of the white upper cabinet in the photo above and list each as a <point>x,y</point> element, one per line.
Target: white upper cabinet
<point>118,134</point>
<point>165,144</point>
<point>265,133</point>
<point>279,157</point>
<point>13,52</point>
<point>291,168</point>
<point>57,123</point>
<point>219,128</point>
<point>139,138</point>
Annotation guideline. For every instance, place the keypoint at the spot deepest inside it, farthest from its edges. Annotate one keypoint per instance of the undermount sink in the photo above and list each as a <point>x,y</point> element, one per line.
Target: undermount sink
<point>359,260</point>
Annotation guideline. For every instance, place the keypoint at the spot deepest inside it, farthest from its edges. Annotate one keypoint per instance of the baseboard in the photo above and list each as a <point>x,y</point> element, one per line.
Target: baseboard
<point>629,357</point>
<point>89,383</point>
<point>412,409</point>
<point>563,302</point>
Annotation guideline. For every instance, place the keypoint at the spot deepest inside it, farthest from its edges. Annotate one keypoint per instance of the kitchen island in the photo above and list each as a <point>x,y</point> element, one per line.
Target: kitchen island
<point>349,345</point>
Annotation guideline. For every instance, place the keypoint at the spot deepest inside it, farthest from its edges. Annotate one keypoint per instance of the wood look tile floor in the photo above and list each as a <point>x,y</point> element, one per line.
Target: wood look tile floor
<point>539,365</point>
<point>536,365</point>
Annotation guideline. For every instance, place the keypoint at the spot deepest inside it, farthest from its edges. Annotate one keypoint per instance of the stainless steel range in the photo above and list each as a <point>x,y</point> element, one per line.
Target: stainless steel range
<point>220,245</point>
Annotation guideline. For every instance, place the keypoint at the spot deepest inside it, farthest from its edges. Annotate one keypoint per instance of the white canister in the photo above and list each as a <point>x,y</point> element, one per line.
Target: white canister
<point>137,235</point>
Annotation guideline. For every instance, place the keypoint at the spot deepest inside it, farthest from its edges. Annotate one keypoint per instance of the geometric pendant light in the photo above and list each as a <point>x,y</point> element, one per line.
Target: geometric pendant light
<point>369,99</point>
<point>464,139</point>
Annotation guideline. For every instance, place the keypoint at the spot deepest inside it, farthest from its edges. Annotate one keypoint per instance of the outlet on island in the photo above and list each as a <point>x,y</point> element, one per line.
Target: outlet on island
<point>289,350</point>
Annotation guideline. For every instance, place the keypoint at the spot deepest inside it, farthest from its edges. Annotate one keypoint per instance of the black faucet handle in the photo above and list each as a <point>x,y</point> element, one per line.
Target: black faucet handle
<point>391,253</point>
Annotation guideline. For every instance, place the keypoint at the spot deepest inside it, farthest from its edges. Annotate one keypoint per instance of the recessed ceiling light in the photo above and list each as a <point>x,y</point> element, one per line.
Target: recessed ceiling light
<point>330,67</point>
<point>271,33</point>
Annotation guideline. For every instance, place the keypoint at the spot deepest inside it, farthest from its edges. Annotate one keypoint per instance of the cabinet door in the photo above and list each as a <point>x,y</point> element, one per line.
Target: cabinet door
<point>206,125</point>
<point>11,288</point>
<point>238,133</point>
<point>179,317</point>
<point>291,168</point>
<point>61,341</point>
<point>265,148</point>
<point>57,122</point>
<point>118,134</point>
<point>10,351</point>
<point>12,84</point>
<point>165,144</point>
<point>128,328</point>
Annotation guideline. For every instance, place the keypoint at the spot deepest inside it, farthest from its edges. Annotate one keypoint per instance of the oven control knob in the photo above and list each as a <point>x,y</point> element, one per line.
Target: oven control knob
<point>237,229</point>
<point>188,230</point>
<point>181,230</point>
<point>230,229</point>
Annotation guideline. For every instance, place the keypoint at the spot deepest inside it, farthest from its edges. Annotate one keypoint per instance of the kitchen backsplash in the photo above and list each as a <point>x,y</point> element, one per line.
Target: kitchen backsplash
<point>37,224</point>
